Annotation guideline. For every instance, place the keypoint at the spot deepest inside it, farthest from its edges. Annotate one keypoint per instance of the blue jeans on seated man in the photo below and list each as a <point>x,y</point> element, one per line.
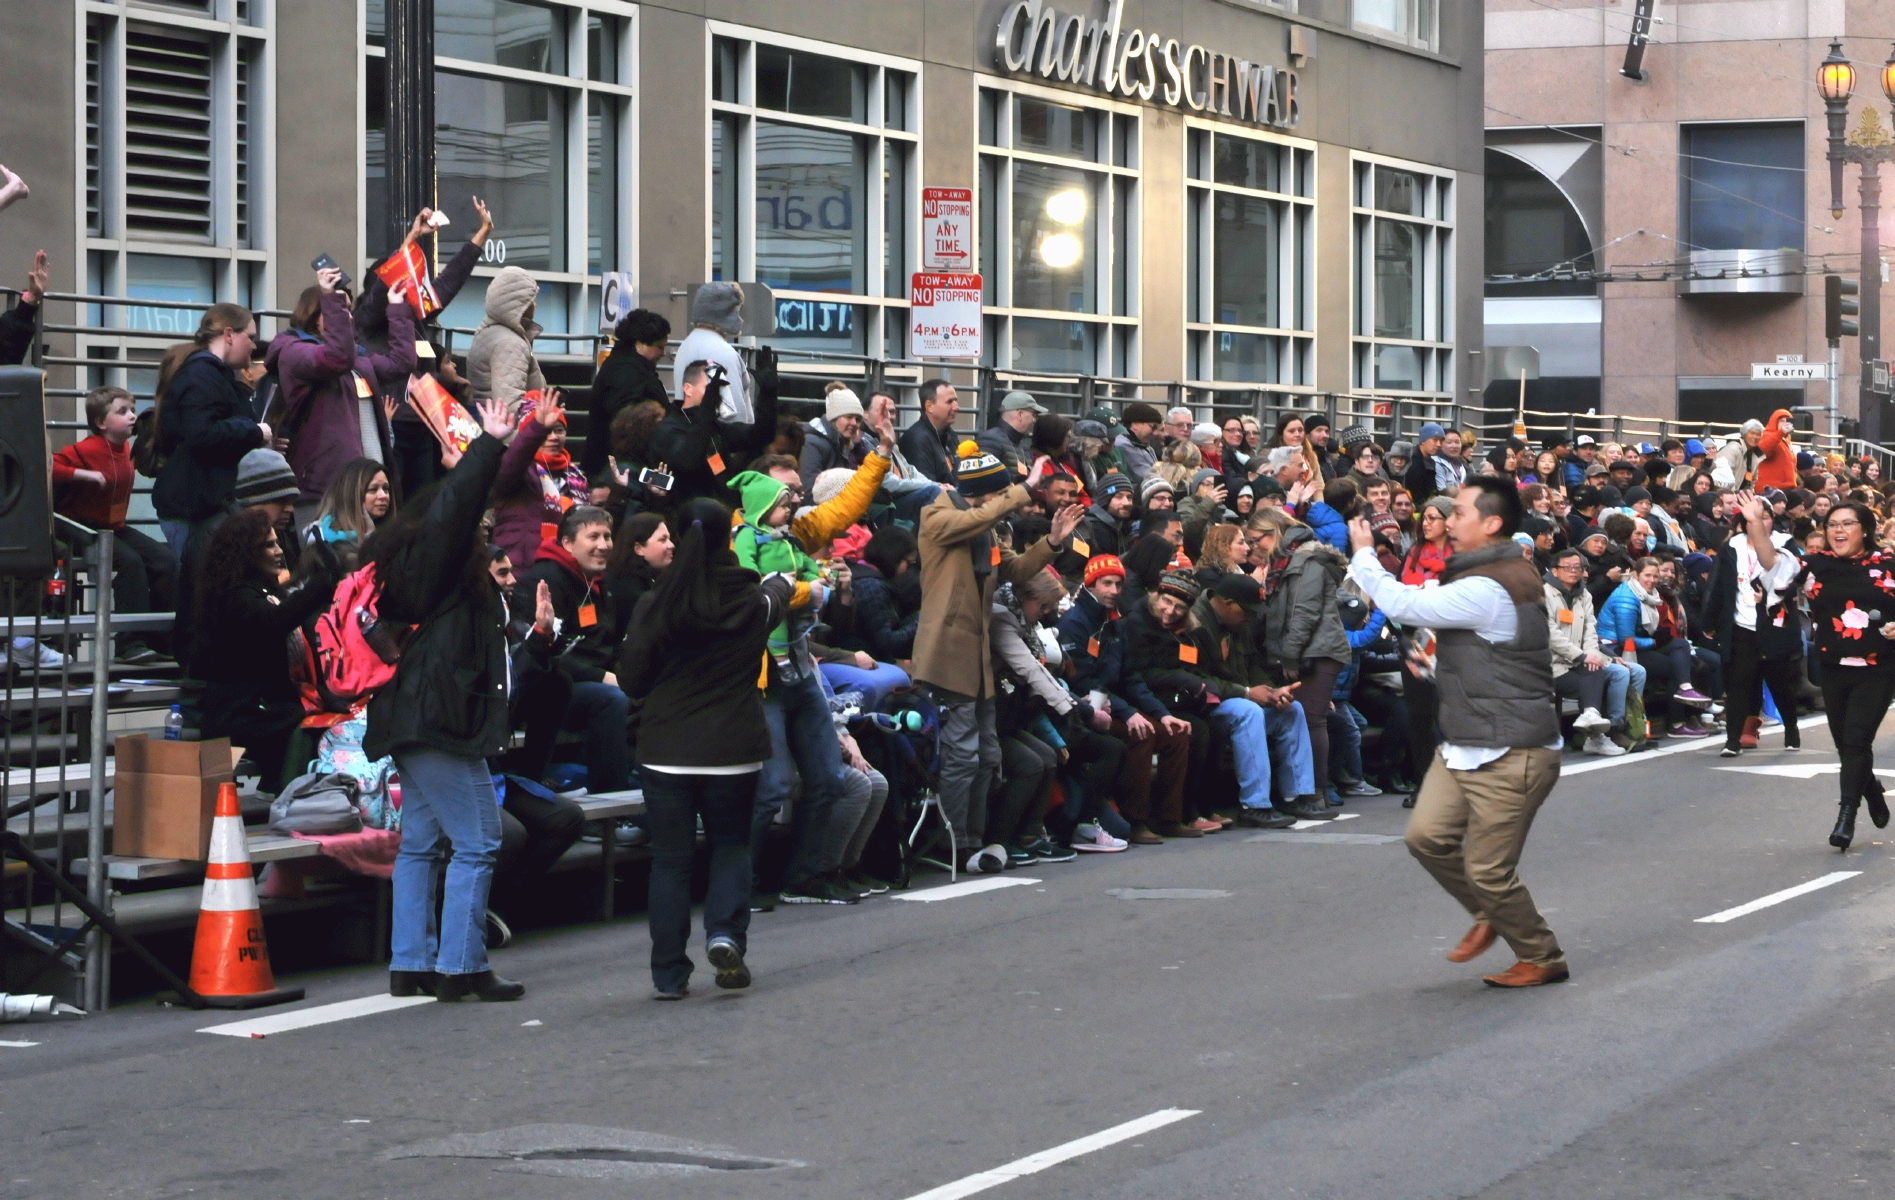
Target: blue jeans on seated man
<point>444,798</point>
<point>801,732</point>
<point>1259,735</point>
<point>598,710</point>
<point>875,685</point>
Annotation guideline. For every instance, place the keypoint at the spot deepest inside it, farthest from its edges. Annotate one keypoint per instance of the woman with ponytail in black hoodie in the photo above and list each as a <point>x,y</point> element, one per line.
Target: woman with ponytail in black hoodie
<point>691,663</point>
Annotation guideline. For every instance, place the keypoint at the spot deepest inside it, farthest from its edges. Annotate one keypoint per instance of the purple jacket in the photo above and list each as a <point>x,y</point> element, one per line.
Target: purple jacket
<point>519,509</point>
<point>320,410</point>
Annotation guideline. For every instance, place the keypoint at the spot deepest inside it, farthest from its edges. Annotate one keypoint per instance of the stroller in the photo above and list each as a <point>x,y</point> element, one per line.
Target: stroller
<point>905,744</point>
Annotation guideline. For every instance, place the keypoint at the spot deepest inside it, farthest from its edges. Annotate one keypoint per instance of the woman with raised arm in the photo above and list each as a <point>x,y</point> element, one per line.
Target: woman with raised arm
<point>1851,592</point>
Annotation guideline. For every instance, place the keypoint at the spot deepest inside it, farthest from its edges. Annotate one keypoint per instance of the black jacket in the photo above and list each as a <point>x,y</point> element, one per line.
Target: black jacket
<point>1152,651</point>
<point>627,378</point>
<point>587,652</point>
<point>882,629</point>
<point>16,333</point>
<point>686,440</point>
<point>1419,478</point>
<point>205,427</point>
<point>627,587</point>
<point>931,451</point>
<point>241,653</point>
<point>705,678</point>
<point>450,691</point>
<point>823,449</point>
<point>1101,533</point>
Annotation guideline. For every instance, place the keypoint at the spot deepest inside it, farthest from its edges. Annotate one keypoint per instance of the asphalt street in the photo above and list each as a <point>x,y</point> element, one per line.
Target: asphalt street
<point>1280,1009</point>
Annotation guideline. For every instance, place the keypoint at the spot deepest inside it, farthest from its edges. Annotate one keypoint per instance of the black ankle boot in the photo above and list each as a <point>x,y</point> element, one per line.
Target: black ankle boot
<point>1845,830</point>
<point>1878,805</point>
<point>482,985</point>
<point>413,983</point>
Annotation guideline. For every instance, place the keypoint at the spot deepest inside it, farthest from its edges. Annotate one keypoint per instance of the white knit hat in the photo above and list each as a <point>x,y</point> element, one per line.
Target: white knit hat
<point>841,403</point>
<point>829,484</point>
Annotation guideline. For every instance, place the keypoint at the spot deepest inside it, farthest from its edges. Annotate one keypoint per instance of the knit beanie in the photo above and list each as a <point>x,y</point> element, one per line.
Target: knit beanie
<point>719,305</point>
<point>1182,584</point>
<point>1197,480</point>
<point>1109,485</point>
<point>1154,483</point>
<point>980,473</point>
<point>264,476</point>
<point>1441,504</point>
<point>1101,565</point>
<point>1355,437</point>
<point>1430,430</point>
<point>841,403</point>
<point>829,484</point>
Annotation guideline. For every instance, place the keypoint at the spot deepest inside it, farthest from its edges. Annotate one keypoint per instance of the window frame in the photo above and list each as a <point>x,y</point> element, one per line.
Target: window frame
<point>579,284</point>
<point>877,305</point>
<point>1438,282</point>
<point>1116,345</point>
<point>1414,39</point>
<point>1687,176</point>
<point>1299,337</point>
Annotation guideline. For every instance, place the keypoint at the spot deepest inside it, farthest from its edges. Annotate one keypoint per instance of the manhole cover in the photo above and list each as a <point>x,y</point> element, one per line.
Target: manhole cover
<point>1134,893</point>
<point>591,1152</point>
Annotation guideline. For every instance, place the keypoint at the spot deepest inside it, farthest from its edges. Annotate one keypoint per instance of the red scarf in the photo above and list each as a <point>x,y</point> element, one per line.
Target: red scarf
<point>1425,562</point>
<point>554,460</point>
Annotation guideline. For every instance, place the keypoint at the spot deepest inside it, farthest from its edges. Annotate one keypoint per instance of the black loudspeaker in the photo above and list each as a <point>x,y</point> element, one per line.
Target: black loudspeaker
<point>26,478</point>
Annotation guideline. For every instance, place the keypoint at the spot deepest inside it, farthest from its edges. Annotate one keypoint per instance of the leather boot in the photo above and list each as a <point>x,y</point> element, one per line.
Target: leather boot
<point>1845,830</point>
<point>1752,726</point>
<point>482,985</point>
<point>1878,804</point>
<point>412,983</point>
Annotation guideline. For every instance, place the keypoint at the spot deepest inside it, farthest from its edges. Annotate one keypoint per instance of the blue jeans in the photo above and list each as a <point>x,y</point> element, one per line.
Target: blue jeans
<point>800,732</point>
<point>1618,677</point>
<point>1345,741</point>
<point>673,804</point>
<point>443,797</point>
<point>176,533</point>
<point>874,685</point>
<point>1257,734</point>
<point>598,711</point>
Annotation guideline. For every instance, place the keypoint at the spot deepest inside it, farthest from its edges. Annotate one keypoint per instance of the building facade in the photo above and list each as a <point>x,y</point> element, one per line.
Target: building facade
<point>1279,196</point>
<point>1654,237</point>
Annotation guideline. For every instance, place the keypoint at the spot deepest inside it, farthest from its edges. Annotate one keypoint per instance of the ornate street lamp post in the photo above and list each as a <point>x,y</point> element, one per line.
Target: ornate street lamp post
<point>1868,147</point>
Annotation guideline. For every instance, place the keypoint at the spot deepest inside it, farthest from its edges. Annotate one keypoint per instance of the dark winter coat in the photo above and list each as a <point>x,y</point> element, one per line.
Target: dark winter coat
<point>1095,646</point>
<point>627,378</point>
<point>881,627</point>
<point>322,414</point>
<point>204,429</point>
<point>587,651</point>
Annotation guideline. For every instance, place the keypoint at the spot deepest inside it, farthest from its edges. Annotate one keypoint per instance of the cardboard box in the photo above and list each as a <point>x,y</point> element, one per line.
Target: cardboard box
<point>166,795</point>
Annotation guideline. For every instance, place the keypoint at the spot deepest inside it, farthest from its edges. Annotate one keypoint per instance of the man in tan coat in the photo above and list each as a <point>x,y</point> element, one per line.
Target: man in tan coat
<point>962,563</point>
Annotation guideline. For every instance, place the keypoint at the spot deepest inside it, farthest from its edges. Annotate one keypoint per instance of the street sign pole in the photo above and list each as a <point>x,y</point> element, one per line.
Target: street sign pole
<point>1835,397</point>
<point>410,122</point>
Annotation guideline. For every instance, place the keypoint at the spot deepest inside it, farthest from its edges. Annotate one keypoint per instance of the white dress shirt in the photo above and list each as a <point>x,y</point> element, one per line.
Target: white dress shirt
<point>1472,602</point>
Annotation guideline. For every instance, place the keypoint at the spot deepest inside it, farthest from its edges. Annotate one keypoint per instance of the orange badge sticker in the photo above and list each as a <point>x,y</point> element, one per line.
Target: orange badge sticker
<point>1565,616</point>
<point>715,462</point>
<point>1084,550</point>
<point>1092,647</point>
<point>996,556</point>
<point>362,388</point>
<point>588,616</point>
<point>1187,653</point>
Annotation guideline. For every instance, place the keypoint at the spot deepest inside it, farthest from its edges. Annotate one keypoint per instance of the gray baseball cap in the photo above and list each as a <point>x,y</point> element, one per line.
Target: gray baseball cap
<point>1018,401</point>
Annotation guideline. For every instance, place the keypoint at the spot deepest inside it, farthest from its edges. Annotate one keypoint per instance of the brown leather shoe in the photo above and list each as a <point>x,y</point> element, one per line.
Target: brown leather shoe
<point>1142,836</point>
<point>1525,974</point>
<point>1173,829</point>
<point>1475,944</point>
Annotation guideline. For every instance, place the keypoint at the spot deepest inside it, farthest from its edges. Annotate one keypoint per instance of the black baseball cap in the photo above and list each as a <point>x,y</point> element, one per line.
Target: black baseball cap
<point>1242,589</point>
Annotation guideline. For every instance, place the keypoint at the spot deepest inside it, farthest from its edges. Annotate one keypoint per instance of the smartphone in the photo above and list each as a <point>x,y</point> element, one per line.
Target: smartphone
<point>656,479</point>
<point>715,371</point>
<point>322,262</point>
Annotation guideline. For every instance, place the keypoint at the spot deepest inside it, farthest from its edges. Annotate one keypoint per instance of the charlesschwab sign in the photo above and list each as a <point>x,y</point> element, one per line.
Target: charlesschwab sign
<point>1034,38</point>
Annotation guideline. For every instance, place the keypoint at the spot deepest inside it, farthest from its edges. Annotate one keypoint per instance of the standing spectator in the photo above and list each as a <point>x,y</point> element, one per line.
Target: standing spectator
<point>1011,441</point>
<point>537,483</point>
<point>717,318</point>
<point>628,377</point>
<point>1776,468</point>
<point>1303,636</point>
<point>500,360</point>
<point>1135,442</point>
<point>17,324</point>
<point>929,443</point>
<point>92,484</point>
<point>205,424</point>
<point>441,717</point>
<point>1421,478</point>
<point>962,563</point>
<point>1736,460</point>
<point>690,664</point>
<point>702,450</point>
<point>333,389</point>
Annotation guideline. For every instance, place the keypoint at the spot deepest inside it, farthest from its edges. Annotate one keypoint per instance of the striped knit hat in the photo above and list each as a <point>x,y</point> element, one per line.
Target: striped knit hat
<point>980,473</point>
<point>1101,565</point>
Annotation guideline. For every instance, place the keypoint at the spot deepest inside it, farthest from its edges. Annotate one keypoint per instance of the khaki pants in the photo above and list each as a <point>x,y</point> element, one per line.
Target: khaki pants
<point>1468,830</point>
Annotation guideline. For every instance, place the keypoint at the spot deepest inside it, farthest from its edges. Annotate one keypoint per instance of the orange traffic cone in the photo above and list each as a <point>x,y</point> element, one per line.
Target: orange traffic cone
<point>230,966</point>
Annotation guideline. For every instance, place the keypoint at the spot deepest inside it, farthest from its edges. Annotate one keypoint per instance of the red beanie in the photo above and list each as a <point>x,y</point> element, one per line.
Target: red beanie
<point>1103,564</point>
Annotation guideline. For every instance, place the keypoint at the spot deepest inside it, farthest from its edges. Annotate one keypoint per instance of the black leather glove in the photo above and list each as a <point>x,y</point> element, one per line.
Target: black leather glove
<point>765,369</point>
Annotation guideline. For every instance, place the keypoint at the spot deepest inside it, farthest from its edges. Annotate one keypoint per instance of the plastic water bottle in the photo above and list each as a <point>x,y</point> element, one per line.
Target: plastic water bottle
<point>174,725</point>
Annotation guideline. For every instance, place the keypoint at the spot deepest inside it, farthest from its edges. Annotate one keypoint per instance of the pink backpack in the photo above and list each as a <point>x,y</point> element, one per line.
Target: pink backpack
<point>345,654</point>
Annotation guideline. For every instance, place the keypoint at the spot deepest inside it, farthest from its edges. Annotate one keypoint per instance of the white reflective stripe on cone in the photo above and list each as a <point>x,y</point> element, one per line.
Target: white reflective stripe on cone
<point>227,841</point>
<point>229,895</point>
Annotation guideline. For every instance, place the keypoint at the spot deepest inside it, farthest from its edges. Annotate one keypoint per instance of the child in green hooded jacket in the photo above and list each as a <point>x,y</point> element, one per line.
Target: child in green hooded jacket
<point>765,544</point>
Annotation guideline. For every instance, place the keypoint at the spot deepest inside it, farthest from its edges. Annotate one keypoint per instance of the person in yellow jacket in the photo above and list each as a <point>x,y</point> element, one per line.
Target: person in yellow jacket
<point>793,702</point>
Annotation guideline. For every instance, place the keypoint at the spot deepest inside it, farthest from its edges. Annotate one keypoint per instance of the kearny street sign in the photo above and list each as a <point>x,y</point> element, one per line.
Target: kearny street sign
<point>1035,38</point>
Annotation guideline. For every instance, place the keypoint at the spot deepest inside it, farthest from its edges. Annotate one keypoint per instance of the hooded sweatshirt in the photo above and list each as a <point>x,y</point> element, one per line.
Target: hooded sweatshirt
<point>500,360</point>
<point>769,551</point>
<point>1777,468</point>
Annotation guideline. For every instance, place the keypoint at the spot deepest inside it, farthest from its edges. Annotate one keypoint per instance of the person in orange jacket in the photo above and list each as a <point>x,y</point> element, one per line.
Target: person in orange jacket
<point>1777,468</point>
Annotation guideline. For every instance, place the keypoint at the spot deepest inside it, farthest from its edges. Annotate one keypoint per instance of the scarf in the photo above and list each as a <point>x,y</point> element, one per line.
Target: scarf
<point>1648,603</point>
<point>555,461</point>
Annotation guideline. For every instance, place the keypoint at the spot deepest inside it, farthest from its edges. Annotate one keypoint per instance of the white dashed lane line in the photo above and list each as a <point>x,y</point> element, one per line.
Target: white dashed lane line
<point>1774,898</point>
<point>1035,1163</point>
<point>321,1014</point>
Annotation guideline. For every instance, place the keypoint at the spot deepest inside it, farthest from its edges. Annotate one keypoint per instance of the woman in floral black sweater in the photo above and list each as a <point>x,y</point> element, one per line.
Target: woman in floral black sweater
<point>1851,592</point>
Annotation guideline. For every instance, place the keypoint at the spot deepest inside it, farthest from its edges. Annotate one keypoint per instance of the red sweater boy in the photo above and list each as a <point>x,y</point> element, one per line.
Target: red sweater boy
<point>92,478</point>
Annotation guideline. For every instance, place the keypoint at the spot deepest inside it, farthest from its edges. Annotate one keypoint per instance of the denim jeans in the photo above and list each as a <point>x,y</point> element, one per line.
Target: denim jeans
<point>443,798</point>
<point>672,805</point>
<point>875,685</point>
<point>598,711</point>
<point>800,731</point>
<point>176,533</point>
<point>1619,677</point>
<point>1345,741</point>
<point>1246,724</point>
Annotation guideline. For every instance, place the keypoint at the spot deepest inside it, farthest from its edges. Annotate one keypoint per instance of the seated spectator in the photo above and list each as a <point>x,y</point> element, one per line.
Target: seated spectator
<point>1119,702</point>
<point>572,566</point>
<point>1580,671</point>
<point>247,608</point>
<point>836,439</point>
<point>1144,563</point>
<point>887,583</point>
<point>1106,527</point>
<point>265,482</point>
<point>1180,462</point>
<point>357,500</point>
<point>524,514</point>
<point>1054,440</point>
<point>864,792</point>
<point>92,484</point>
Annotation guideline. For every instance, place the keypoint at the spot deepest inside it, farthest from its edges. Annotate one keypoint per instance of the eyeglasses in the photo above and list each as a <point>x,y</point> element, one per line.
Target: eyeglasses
<point>1851,523</point>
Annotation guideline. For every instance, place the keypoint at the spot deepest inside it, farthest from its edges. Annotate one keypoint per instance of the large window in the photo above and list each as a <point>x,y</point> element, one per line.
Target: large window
<point>1414,22</point>
<point>1249,294</point>
<point>813,159</point>
<point>1536,242</point>
<point>1743,186</point>
<point>1404,279</point>
<point>533,114</point>
<point>1058,215</point>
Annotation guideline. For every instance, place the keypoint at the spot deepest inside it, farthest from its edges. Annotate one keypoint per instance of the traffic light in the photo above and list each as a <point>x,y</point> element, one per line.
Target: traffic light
<point>1836,307</point>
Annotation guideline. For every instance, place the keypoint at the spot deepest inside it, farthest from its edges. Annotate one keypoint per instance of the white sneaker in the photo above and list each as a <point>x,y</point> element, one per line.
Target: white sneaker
<point>1591,719</point>
<point>27,653</point>
<point>1602,746</point>
<point>1360,787</point>
<point>1091,839</point>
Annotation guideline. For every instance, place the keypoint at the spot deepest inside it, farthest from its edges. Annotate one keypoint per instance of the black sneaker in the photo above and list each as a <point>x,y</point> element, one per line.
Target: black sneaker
<point>848,887</point>
<point>1046,850</point>
<point>143,656</point>
<point>731,972</point>
<point>1265,818</point>
<point>762,902</point>
<point>816,891</point>
<point>1309,808</point>
<point>865,883</point>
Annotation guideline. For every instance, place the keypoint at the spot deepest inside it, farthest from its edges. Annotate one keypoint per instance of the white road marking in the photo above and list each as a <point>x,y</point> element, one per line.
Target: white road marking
<point>1706,743</point>
<point>1801,770</point>
<point>18,1045</point>
<point>972,887</point>
<point>1034,1163</point>
<point>1320,824</point>
<point>1731,914</point>
<point>1324,839</point>
<point>321,1014</point>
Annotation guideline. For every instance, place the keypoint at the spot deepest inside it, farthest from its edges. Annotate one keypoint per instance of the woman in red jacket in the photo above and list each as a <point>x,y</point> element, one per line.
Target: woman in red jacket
<point>1777,468</point>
